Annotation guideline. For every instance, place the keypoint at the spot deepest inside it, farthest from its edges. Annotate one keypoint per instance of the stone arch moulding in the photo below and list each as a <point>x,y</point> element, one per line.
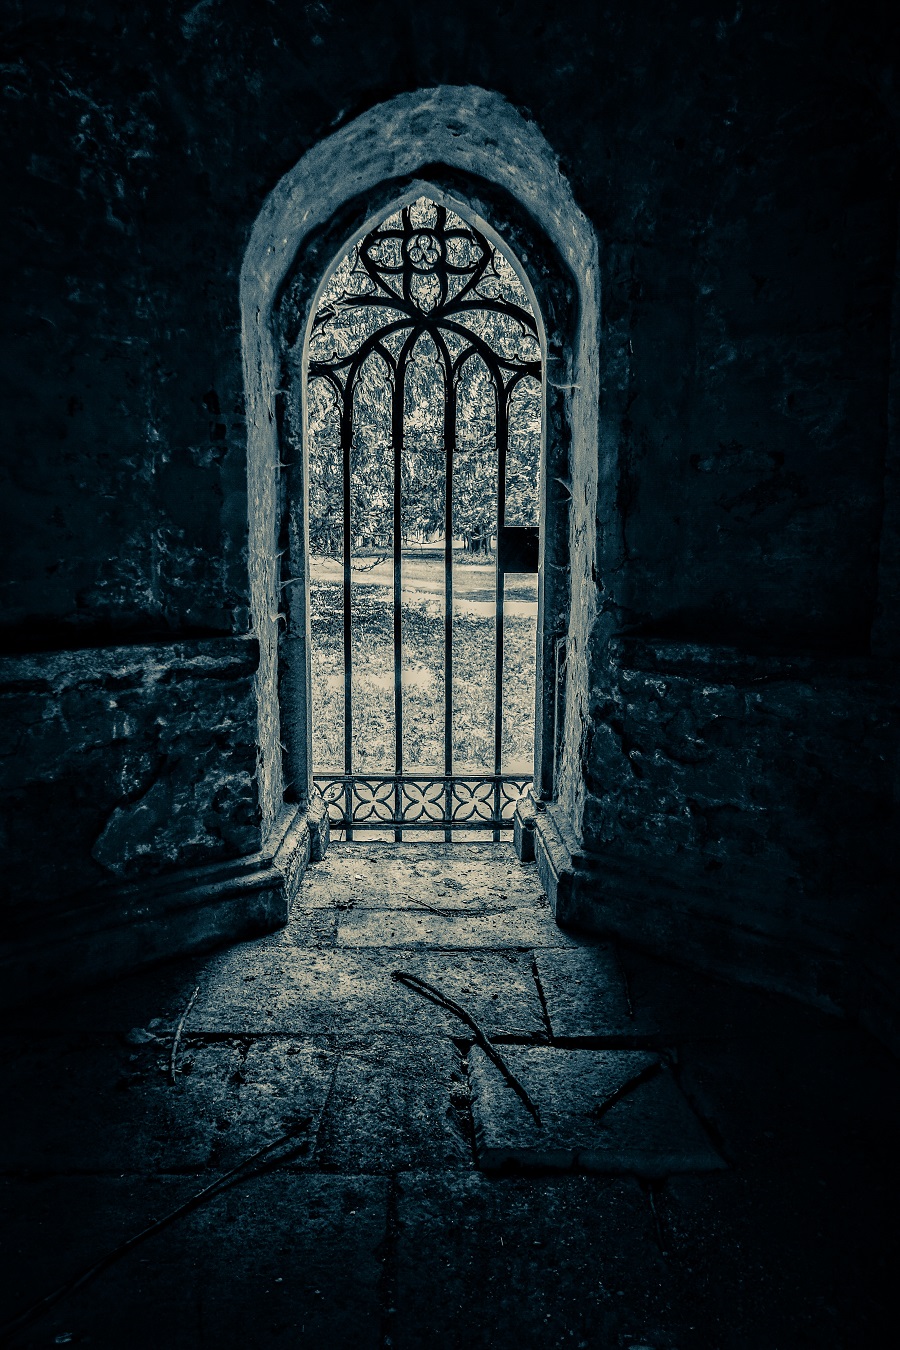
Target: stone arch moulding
<point>474,150</point>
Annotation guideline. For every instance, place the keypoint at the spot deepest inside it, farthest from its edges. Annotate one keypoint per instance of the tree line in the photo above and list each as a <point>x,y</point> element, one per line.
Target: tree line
<point>422,465</point>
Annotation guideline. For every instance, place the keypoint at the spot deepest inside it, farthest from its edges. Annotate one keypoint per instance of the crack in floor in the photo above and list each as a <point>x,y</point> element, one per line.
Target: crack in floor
<point>389,1222</point>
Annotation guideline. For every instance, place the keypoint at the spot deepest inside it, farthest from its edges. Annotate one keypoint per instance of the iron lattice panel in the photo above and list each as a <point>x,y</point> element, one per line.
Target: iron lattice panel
<point>423,273</point>
<point>391,801</point>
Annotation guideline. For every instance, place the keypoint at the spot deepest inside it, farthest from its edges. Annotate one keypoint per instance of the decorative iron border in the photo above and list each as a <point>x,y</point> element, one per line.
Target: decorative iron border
<point>421,801</point>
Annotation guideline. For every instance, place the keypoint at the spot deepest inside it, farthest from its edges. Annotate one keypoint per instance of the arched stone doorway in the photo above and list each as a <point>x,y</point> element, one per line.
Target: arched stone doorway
<point>470,149</point>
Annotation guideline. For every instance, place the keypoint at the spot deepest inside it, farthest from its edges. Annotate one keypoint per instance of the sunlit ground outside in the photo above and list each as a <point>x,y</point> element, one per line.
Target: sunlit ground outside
<point>372,683</point>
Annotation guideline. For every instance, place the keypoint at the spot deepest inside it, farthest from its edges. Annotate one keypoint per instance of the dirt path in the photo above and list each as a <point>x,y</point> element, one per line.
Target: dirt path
<point>423,583</point>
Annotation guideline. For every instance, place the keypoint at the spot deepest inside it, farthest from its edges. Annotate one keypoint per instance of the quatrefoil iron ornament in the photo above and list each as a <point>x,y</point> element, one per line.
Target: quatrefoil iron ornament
<point>373,800</point>
<point>423,800</point>
<point>474,801</point>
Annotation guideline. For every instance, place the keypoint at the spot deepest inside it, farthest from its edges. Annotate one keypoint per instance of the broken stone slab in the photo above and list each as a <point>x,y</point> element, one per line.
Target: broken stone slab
<point>261,988</point>
<point>223,1107</point>
<point>585,993</point>
<point>281,1086</point>
<point>613,1111</point>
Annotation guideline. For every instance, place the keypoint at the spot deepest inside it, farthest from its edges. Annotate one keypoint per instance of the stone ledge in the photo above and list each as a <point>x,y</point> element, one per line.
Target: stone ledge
<point>189,911</point>
<point>124,764</point>
<point>685,920</point>
<point>220,657</point>
<point>726,663</point>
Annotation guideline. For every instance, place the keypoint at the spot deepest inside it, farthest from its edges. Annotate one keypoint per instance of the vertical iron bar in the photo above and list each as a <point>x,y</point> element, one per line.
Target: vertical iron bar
<point>502,437</point>
<point>397,409</point>
<point>346,440</point>
<point>449,447</point>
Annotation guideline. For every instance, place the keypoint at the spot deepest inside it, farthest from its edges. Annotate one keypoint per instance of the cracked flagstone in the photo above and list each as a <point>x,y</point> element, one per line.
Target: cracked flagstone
<point>603,1110</point>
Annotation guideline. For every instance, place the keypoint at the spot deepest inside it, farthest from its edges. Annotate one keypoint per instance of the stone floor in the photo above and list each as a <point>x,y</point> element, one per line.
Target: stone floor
<point>713,1167</point>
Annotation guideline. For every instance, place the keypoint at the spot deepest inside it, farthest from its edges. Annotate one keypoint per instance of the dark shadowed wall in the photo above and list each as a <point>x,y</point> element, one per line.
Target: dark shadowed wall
<point>738,164</point>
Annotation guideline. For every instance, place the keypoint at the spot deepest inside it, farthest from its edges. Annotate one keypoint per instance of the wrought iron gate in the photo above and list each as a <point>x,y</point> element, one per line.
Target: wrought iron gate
<point>438,278</point>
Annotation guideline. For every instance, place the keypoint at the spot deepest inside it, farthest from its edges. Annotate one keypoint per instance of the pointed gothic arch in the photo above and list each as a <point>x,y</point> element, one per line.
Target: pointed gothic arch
<point>471,149</point>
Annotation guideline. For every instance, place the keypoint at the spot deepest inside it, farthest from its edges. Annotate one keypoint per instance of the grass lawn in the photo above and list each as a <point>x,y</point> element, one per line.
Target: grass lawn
<point>423,666</point>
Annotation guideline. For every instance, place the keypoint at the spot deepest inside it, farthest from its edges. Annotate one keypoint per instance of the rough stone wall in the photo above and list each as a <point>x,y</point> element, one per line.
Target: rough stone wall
<point>738,164</point>
<point>765,782</point>
<point>752,460</point>
<point>124,763</point>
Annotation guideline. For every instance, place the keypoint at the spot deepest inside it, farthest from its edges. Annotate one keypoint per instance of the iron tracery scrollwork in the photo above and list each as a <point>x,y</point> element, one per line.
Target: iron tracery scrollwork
<point>400,260</point>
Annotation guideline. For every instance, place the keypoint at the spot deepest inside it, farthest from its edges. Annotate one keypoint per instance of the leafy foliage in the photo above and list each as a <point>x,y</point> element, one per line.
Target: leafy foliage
<point>371,331</point>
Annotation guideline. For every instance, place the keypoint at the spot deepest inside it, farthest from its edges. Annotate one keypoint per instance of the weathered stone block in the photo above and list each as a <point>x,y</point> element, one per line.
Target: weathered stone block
<point>279,988</point>
<point>603,1110</point>
<point>585,993</point>
<point>392,1107</point>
